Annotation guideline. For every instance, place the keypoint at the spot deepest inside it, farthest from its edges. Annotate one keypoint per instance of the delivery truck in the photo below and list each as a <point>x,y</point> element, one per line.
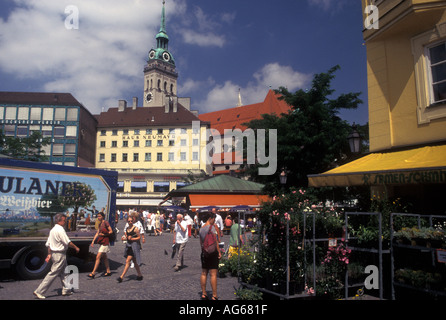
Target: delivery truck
<point>32,193</point>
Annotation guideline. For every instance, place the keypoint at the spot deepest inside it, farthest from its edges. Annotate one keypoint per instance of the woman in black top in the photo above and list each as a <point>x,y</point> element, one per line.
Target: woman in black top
<point>132,237</point>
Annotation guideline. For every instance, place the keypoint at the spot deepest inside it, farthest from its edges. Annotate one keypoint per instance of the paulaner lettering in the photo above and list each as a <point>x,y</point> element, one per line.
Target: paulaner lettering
<point>34,187</point>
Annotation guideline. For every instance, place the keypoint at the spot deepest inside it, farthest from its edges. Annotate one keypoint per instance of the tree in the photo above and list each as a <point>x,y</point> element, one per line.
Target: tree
<point>24,148</point>
<point>311,137</point>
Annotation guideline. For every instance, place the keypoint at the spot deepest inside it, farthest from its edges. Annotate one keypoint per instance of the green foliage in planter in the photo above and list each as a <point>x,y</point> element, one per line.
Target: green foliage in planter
<point>243,293</point>
<point>419,278</point>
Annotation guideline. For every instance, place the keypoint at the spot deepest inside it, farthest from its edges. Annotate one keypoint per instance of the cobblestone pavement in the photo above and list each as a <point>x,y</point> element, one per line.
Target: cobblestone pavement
<point>160,281</point>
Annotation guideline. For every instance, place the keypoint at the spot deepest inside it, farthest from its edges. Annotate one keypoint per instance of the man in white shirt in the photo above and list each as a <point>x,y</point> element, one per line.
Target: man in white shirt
<point>218,222</point>
<point>180,239</point>
<point>57,243</point>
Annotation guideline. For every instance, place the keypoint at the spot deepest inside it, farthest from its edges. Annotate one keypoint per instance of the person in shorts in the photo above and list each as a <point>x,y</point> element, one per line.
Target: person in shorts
<point>209,262</point>
<point>102,236</point>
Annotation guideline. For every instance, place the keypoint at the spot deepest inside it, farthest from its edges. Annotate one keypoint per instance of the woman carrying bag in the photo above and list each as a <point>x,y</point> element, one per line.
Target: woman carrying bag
<point>102,236</point>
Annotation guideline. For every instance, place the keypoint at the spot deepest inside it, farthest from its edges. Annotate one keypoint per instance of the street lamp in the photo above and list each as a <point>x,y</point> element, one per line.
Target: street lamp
<point>283,177</point>
<point>354,140</point>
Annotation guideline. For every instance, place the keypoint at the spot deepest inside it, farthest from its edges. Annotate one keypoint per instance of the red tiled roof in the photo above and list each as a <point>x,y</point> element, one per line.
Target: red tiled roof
<point>145,116</point>
<point>38,98</point>
<point>233,118</point>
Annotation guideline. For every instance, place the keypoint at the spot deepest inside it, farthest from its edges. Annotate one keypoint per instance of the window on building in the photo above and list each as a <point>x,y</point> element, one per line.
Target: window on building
<point>9,130</point>
<point>120,187</point>
<point>148,156</point>
<point>159,156</point>
<point>136,143</point>
<point>124,157</point>
<point>160,131</point>
<point>101,157</point>
<point>23,113</point>
<point>183,130</point>
<point>429,54</point>
<point>159,143</point>
<point>72,114</point>
<point>161,186</point>
<point>195,142</point>
<point>125,132</point>
<point>22,131</point>
<point>35,113</point>
<point>102,144</point>
<point>114,132</point>
<point>114,144</point>
<point>136,131</point>
<point>70,149</point>
<point>125,143</point>
<point>172,131</point>
<point>59,132</point>
<point>103,132</point>
<point>60,114</point>
<point>71,131</point>
<point>171,143</point>
<point>183,142</point>
<point>148,143</point>
<point>195,156</point>
<point>437,65</point>
<point>148,131</point>
<point>58,149</point>
<point>48,114</point>
<point>135,157</point>
<point>183,156</point>
<point>11,113</point>
<point>139,186</point>
<point>113,157</point>
<point>171,156</point>
<point>47,131</point>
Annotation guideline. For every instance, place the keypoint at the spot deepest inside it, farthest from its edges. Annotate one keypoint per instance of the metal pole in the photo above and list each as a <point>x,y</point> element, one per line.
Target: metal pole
<point>288,257</point>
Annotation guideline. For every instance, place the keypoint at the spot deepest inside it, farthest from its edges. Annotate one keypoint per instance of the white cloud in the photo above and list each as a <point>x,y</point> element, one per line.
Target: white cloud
<point>328,5</point>
<point>204,30</point>
<point>270,76</point>
<point>97,62</point>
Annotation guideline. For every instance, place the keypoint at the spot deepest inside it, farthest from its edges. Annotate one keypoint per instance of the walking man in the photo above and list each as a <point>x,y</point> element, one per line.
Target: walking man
<point>180,239</point>
<point>57,243</point>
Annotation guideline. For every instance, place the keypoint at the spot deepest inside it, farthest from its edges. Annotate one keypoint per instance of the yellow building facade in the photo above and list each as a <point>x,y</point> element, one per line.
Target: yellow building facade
<point>153,151</point>
<point>406,72</point>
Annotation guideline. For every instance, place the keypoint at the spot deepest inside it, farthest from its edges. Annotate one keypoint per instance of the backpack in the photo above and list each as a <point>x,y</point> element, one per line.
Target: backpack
<point>209,243</point>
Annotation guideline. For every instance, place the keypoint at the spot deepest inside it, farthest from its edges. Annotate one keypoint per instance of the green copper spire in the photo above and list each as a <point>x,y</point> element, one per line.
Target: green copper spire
<point>163,19</point>
<point>161,37</point>
<point>162,42</point>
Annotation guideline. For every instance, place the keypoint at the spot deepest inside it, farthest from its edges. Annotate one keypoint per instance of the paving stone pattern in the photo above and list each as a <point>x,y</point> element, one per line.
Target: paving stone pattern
<point>160,281</point>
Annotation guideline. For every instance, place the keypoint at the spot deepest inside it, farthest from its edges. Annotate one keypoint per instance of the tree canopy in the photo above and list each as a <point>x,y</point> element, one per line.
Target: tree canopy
<point>311,137</point>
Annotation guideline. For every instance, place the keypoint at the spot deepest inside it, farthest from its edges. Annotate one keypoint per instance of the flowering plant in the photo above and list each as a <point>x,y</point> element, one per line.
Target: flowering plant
<point>337,259</point>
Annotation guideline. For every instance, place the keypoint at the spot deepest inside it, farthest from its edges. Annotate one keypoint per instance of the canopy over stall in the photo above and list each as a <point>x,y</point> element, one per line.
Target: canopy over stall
<point>414,166</point>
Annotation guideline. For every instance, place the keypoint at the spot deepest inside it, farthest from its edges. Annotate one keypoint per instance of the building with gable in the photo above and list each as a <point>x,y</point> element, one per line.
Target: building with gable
<point>235,119</point>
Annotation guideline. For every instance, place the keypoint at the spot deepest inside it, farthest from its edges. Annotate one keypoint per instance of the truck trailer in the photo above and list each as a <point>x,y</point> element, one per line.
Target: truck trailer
<point>32,193</point>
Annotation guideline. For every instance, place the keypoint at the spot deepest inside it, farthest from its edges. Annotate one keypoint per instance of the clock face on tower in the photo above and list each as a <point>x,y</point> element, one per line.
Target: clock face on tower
<point>149,97</point>
<point>166,56</point>
<point>152,54</point>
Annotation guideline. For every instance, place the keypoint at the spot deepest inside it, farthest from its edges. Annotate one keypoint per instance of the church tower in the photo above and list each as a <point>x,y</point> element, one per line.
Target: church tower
<point>160,76</point>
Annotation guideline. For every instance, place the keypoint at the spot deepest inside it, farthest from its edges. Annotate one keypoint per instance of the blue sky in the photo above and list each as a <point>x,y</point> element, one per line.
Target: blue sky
<point>219,47</point>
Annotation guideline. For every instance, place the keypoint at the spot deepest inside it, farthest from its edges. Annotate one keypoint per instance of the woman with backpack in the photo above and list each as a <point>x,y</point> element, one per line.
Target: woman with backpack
<point>210,255</point>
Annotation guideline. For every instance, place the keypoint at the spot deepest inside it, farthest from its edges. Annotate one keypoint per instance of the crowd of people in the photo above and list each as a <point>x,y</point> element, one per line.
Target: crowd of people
<point>209,227</point>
